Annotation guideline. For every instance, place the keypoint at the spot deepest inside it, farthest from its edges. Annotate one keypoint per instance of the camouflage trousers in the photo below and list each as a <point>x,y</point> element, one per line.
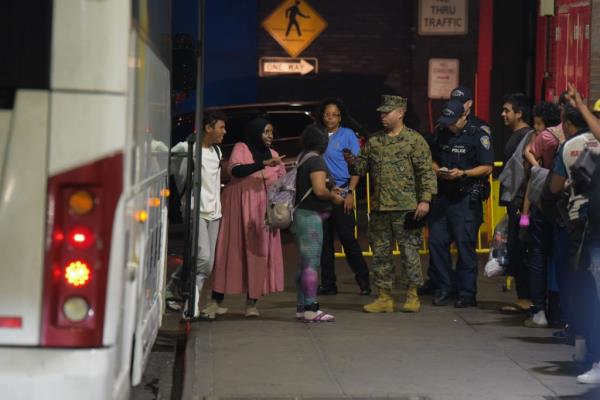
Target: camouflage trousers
<point>385,228</point>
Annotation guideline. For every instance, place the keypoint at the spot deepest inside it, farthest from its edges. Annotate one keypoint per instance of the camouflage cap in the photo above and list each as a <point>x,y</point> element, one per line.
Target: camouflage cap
<point>390,103</point>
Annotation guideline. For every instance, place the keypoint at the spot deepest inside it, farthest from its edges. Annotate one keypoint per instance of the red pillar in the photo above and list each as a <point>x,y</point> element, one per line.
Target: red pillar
<point>484,59</point>
<point>541,67</point>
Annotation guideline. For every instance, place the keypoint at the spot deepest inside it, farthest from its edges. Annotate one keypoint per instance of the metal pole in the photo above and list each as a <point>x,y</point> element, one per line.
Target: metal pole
<point>187,215</point>
<point>199,124</point>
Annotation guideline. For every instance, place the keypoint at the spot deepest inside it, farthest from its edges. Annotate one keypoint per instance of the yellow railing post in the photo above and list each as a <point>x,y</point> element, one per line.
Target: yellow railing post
<point>493,212</point>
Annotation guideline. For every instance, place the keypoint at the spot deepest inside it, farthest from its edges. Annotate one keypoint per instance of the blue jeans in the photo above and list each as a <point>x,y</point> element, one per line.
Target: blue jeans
<point>593,247</point>
<point>594,254</point>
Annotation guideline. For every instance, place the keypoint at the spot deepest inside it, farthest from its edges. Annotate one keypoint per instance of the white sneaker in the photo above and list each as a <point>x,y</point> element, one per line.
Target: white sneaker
<point>173,305</point>
<point>212,310</point>
<point>537,320</point>
<point>196,313</point>
<point>252,311</point>
<point>592,376</point>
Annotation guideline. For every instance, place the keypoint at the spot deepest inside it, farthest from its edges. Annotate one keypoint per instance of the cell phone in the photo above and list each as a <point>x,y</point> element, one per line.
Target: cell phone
<point>411,223</point>
<point>444,170</point>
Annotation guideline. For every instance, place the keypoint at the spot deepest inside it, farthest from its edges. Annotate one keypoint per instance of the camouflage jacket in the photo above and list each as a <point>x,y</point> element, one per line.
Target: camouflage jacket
<point>400,169</point>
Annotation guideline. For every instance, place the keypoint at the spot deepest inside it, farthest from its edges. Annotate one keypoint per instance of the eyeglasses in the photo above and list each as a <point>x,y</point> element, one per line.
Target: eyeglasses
<point>333,115</point>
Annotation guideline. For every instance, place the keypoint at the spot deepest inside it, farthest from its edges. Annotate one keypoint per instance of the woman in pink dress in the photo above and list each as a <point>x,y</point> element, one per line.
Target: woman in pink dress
<point>248,258</point>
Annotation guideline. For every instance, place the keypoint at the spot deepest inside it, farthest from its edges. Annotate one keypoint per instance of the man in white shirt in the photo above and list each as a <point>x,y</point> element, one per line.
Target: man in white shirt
<point>210,201</point>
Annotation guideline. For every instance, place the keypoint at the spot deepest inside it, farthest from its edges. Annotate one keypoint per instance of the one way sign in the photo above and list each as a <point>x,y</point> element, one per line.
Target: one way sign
<point>274,66</point>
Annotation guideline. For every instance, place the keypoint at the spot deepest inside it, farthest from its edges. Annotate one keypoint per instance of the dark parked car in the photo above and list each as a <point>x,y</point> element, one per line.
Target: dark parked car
<point>289,119</point>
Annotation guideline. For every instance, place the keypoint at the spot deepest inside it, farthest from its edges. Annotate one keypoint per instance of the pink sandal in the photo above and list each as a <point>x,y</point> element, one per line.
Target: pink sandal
<point>319,316</point>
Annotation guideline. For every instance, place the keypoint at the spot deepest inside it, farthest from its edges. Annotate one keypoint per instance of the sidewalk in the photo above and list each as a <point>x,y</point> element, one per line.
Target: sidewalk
<point>439,353</point>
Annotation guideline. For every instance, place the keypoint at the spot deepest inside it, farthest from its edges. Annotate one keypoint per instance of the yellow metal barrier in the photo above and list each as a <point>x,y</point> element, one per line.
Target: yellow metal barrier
<point>492,214</point>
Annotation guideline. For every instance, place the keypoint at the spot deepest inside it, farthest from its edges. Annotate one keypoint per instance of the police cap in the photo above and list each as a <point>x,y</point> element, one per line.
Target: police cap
<point>462,94</point>
<point>452,111</point>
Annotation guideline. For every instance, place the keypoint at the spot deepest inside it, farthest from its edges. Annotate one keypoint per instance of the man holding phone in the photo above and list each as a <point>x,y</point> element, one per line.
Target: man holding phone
<point>462,156</point>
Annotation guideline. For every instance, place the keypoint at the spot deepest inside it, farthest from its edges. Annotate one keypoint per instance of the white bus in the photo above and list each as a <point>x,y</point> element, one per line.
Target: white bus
<point>84,139</point>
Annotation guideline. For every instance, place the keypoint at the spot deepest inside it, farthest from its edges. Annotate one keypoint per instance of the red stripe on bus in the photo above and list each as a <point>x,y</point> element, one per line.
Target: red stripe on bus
<point>11,322</point>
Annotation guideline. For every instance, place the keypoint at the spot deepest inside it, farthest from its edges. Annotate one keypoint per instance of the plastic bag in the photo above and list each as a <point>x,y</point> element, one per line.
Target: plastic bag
<point>498,260</point>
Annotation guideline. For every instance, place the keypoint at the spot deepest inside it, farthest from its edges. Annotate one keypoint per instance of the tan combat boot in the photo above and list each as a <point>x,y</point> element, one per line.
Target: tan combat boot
<point>412,303</point>
<point>383,303</point>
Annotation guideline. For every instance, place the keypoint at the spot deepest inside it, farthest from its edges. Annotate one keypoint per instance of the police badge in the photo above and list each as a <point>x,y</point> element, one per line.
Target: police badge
<point>485,142</point>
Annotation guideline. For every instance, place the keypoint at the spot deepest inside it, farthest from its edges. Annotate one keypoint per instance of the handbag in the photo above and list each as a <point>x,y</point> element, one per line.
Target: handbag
<point>282,195</point>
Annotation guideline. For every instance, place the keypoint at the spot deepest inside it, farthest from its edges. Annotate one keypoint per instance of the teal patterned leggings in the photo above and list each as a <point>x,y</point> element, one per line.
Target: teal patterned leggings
<point>307,228</point>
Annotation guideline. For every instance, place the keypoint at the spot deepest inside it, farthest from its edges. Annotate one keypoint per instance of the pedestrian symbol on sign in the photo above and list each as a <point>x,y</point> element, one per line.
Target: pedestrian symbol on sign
<point>294,25</point>
<point>291,13</point>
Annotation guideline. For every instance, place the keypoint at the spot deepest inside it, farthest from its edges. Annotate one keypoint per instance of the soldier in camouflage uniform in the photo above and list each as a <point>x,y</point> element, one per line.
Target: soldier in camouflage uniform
<point>398,160</point>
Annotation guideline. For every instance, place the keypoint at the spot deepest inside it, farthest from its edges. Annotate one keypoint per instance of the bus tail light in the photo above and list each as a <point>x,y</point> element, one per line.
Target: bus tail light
<point>77,273</point>
<point>81,211</point>
<point>81,237</point>
<point>76,309</point>
<point>81,202</point>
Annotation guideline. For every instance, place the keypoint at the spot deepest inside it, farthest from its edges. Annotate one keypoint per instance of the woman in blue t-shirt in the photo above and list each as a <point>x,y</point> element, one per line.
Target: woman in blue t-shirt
<point>311,210</point>
<point>341,130</point>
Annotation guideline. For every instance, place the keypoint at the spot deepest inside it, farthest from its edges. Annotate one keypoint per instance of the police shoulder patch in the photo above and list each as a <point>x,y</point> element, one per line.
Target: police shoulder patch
<point>486,129</point>
<point>485,141</point>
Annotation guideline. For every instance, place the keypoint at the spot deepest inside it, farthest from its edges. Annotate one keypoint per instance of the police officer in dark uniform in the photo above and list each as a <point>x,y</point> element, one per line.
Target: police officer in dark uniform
<point>462,157</point>
<point>464,95</point>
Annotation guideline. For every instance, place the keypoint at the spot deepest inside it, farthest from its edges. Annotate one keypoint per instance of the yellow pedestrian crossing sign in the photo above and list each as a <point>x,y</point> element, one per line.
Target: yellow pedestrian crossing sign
<point>294,25</point>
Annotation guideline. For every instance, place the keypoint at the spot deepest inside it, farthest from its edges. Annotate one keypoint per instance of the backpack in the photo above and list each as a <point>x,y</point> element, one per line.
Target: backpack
<point>513,175</point>
<point>281,197</point>
<point>582,171</point>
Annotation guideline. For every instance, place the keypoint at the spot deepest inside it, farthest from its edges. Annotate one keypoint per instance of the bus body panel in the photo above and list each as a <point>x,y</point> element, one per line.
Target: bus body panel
<point>148,260</point>
<point>109,97</point>
<point>81,42</point>
<point>23,216</point>
<point>149,149</point>
<point>66,374</point>
<point>5,123</point>
<point>85,127</point>
<point>117,280</point>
